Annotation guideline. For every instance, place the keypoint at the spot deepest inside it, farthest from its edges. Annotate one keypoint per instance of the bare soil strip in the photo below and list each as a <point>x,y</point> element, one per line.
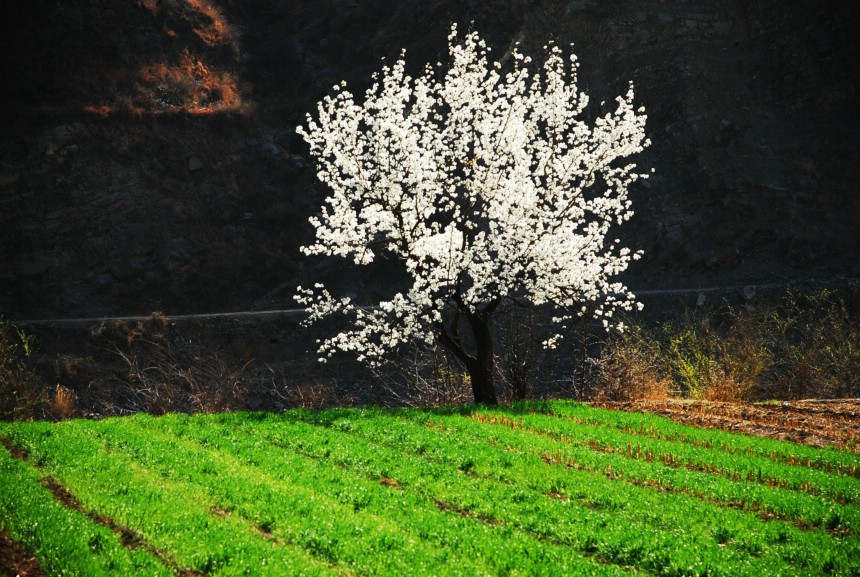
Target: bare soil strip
<point>818,423</point>
<point>128,538</point>
<point>15,560</point>
<point>443,506</point>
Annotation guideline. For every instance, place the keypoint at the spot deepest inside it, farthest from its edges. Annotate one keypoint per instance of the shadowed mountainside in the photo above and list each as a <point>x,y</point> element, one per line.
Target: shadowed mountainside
<point>148,159</point>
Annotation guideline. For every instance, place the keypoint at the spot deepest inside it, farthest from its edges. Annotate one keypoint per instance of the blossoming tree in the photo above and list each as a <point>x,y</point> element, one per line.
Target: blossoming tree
<point>489,184</point>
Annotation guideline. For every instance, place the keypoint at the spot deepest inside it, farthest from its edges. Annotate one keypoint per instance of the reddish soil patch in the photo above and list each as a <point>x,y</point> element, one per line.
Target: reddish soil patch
<point>15,560</point>
<point>443,506</point>
<point>13,449</point>
<point>389,482</point>
<point>819,423</point>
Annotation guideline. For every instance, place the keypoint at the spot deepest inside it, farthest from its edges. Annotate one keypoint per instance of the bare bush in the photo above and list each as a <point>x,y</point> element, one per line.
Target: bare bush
<point>22,396</point>
<point>423,376</point>
<point>717,355</point>
<point>805,345</point>
<point>163,370</point>
<point>162,378</point>
<point>521,360</point>
<point>815,339</point>
<point>631,368</point>
<point>297,384</point>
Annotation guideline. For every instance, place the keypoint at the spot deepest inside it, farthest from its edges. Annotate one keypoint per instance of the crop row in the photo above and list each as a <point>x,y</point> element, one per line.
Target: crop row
<point>834,461</point>
<point>837,492</point>
<point>502,445</point>
<point>753,468</point>
<point>636,526</point>
<point>346,517</point>
<point>291,503</point>
<point>804,509</point>
<point>66,541</point>
<point>470,491</point>
<point>174,518</point>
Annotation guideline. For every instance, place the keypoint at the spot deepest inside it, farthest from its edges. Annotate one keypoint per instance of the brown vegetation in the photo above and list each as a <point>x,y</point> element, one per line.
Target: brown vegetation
<point>20,393</point>
<point>803,345</point>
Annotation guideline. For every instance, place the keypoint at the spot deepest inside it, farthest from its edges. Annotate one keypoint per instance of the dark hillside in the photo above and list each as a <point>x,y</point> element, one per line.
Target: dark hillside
<point>148,159</point>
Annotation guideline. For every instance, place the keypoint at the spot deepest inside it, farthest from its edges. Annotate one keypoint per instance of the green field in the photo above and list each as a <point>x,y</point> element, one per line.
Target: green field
<point>553,488</point>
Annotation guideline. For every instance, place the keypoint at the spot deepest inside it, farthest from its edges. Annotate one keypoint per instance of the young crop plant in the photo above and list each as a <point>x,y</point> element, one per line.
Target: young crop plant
<point>488,185</point>
<point>538,488</point>
<point>64,541</point>
<point>834,461</point>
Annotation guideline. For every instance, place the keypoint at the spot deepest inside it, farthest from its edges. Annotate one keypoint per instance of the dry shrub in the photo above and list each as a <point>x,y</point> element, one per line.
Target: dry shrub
<point>521,357</point>
<point>310,395</point>
<point>21,394</point>
<point>815,339</point>
<point>158,318</point>
<point>190,86</point>
<point>526,369</point>
<point>64,403</point>
<point>805,345</point>
<point>423,376</point>
<point>717,355</point>
<point>68,368</point>
<point>101,109</point>
<point>742,359</point>
<point>119,332</point>
<point>294,384</point>
<point>631,368</point>
<point>150,5</point>
<point>214,28</point>
<point>163,370</point>
<point>158,366</point>
<point>162,377</point>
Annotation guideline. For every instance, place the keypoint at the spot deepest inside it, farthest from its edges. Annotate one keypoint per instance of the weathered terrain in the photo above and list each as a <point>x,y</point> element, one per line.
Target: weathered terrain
<point>148,159</point>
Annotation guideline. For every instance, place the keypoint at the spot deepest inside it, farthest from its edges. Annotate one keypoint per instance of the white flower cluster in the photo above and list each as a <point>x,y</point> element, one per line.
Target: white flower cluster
<point>488,184</point>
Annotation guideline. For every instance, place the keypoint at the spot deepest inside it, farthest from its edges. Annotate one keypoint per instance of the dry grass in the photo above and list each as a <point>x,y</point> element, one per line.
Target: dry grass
<point>150,5</point>
<point>197,71</point>
<point>214,28</point>
<point>21,394</point>
<point>631,368</point>
<point>163,377</point>
<point>64,403</point>
<point>805,346</point>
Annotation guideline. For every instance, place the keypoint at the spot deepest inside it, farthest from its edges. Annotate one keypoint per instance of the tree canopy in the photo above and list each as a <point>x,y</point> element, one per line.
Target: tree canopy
<point>489,182</point>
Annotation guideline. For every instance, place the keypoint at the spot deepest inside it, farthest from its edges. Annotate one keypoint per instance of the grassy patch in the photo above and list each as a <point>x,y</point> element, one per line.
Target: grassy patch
<point>537,488</point>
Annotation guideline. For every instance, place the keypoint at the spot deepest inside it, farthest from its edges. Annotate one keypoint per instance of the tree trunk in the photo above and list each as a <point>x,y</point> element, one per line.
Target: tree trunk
<point>480,365</point>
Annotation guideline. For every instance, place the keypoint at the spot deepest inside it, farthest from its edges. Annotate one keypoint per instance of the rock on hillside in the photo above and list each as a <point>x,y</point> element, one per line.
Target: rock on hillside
<point>148,159</point>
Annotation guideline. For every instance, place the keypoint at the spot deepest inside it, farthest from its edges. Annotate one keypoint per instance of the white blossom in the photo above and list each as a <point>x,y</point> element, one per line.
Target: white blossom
<point>486,183</point>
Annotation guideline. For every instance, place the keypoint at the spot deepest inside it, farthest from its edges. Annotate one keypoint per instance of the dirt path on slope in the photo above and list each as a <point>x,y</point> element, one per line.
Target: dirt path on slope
<point>819,423</point>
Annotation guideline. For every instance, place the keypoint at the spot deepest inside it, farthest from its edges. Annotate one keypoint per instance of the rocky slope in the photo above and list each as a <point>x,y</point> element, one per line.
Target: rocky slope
<point>148,159</point>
